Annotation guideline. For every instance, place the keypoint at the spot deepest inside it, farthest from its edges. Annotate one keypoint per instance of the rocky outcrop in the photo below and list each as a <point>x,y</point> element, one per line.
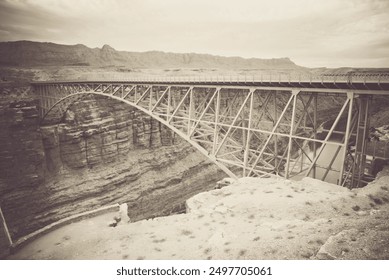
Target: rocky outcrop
<point>104,152</point>
<point>357,244</point>
<point>367,240</point>
<point>92,136</point>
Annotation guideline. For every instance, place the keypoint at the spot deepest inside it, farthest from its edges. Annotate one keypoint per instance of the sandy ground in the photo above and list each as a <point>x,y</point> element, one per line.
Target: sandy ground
<point>254,218</point>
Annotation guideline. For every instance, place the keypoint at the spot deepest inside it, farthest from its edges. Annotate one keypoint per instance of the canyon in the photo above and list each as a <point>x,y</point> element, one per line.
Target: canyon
<point>103,152</point>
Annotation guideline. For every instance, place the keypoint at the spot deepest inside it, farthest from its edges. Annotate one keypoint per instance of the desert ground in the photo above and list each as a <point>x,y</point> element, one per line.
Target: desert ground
<point>253,218</point>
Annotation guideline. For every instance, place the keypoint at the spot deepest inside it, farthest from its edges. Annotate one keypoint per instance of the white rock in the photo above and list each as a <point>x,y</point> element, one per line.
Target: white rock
<point>224,182</point>
<point>123,210</point>
<point>361,213</point>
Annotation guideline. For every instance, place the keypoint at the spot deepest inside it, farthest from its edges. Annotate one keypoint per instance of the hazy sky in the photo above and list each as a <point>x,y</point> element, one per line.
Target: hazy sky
<point>313,33</point>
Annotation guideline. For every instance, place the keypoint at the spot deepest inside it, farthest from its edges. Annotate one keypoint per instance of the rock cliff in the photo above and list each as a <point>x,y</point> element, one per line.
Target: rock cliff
<point>21,148</point>
<point>103,152</point>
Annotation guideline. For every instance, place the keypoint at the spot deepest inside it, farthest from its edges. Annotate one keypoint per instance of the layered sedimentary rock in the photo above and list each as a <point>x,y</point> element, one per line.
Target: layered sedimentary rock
<point>21,148</point>
<point>103,152</point>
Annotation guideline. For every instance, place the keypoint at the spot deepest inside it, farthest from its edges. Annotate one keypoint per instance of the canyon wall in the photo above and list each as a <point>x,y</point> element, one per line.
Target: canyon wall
<point>103,152</point>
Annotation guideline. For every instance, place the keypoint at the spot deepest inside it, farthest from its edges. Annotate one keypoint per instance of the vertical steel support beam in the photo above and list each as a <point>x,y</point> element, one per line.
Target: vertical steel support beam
<point>314,132</point>
<point>248,138</point>
<point>217,112</point>
<point>190,112</point>
<point>360,145</point>
<point>350,97</point>
<point>169,97</point>
<point>294,95</point>
<point>275,136</point>
<point>151,98</point>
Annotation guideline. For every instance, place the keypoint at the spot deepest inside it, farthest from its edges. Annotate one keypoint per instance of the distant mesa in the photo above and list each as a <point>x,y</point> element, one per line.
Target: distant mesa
<point>30,54</point>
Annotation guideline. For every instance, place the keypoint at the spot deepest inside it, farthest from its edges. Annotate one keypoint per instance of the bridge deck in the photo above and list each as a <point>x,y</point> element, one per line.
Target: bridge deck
<point>334,83</point>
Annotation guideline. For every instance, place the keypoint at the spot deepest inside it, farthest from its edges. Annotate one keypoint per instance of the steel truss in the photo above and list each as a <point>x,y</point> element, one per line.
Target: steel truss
<point>246,130</point>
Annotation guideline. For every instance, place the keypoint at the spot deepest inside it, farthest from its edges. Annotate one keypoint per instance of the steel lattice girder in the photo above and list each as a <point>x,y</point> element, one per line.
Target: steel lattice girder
<point>247,131</point>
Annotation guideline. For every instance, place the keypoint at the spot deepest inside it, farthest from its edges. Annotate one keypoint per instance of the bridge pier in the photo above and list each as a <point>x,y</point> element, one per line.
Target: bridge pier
<point>362,136</point>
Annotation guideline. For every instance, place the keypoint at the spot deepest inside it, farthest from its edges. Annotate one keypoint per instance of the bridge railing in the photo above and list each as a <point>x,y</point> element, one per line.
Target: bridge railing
<point>349,78</point>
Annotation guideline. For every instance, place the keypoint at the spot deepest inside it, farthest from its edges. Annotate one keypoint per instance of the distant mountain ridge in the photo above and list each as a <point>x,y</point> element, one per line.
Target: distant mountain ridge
<point>28,53</point>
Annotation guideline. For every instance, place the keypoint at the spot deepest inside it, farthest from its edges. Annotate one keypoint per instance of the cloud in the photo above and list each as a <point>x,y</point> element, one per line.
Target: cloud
<point>23,20</point>
<point>313,33</point>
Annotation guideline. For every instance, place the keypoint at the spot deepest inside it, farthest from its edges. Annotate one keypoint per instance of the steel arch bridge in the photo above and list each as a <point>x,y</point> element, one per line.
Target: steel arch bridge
<point>248,128</point>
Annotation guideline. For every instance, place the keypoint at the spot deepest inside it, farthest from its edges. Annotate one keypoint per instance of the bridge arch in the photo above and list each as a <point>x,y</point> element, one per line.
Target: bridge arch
<point>73,97</point>
<point>255,128</point>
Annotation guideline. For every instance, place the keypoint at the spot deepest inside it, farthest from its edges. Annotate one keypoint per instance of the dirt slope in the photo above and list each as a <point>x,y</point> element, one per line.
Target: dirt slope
<point>252,219</point>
